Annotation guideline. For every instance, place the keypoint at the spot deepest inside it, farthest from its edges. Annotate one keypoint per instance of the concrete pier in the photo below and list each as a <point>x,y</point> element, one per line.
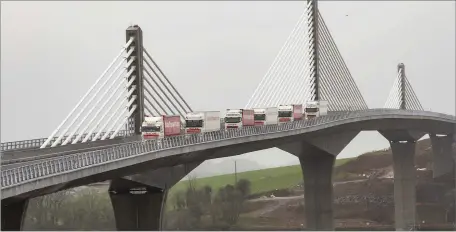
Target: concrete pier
<point>404,184</point>
<point>443,160</point>
<point>136,206</point>
<point>13,215</point>
<point>317,155</point>
<point>318,189</point>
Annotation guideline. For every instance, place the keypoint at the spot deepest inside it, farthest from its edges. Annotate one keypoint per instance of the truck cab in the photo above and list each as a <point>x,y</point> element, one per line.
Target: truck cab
<point>311,109</point>
<point>194,123</point>
<point>233,118</point>
<point>152,127</point>
<point>259,116</point>
<point>316,109</point>
<point>285,113</point>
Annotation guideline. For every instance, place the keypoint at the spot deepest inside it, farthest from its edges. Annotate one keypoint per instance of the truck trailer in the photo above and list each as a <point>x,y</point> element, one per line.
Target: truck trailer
<point>202,122</point>
<point>297,112</point>
<point>266,116</point>
<point>238,118</point>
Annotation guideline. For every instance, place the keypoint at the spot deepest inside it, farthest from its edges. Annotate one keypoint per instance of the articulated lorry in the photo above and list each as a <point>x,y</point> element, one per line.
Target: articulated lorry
<point>316,109</point>
<point>238,118</point>
<point>202,122</point>
<point>289,113</point>
<point>156,127</point>
<point>266,116</point>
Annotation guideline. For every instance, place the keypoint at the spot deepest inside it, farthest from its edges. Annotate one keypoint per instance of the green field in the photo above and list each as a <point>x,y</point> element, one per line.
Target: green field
<point>263,180</point>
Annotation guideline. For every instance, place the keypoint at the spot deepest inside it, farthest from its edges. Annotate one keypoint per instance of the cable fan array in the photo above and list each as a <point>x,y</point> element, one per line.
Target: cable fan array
<point>102,119</point>
<point>395,97</point>
<point>337,85</point>
<point>110,103</point>
<point>161,96</point>
<point>290,78</point>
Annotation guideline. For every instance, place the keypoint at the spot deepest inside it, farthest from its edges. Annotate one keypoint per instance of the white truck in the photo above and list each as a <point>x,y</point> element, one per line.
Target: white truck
<point>266,116</point>
<point>157,127</point>
<point>316,108</point>
<point>202,122</point>
<point>289,113</point>
<point>238,118</point>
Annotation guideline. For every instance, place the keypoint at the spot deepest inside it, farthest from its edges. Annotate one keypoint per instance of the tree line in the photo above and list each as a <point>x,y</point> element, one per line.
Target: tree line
<point>91,209</point>
<point>198,208</point>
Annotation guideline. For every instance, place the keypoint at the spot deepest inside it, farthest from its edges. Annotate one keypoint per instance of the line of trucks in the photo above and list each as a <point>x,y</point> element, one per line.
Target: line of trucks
<point>155,127</point>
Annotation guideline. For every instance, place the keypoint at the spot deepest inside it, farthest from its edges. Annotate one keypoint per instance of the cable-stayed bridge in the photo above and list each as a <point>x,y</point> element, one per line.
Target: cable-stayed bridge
<point>100,138</point>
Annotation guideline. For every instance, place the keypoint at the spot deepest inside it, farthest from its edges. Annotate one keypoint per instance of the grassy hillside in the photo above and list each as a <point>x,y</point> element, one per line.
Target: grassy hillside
<point>266,180</point>
<point>262,180</point>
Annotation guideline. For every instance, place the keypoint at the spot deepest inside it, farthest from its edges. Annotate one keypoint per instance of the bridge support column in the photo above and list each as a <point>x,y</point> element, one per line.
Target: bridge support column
<point>139,200</point>
<point>445,165</point>
<point>13,215</point>
<point>317,156</point>
<point>443,160</point>
<point>403,143</point>
<point>136,206</point>
<point>318,189</point>
<point>404,184</point>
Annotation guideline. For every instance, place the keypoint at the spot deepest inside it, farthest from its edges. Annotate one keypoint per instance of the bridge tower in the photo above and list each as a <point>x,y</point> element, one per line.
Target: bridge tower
<point>402,96</point>
<point>137,117</point>
<point>401,71</point>
<point>403,146</point>
<point>309,67</point>
<point>314,45</point>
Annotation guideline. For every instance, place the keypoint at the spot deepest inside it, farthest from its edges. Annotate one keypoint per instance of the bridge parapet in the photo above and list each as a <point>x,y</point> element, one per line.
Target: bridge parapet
<point>36,143</point>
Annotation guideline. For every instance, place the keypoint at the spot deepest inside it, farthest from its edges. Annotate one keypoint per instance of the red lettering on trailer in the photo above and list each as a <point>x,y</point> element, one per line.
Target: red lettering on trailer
<point>172,125</point>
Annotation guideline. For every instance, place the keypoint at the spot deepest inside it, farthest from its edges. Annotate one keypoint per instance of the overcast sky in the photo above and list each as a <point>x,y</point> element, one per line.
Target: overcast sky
<point>215,53</point>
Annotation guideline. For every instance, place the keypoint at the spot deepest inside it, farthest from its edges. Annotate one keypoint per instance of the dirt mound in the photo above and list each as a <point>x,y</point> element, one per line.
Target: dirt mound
<point>377,163</point>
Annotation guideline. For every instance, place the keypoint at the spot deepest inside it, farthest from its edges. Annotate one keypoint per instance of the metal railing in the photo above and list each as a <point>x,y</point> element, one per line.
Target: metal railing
<point>83,160</point>
<point>36,143</point>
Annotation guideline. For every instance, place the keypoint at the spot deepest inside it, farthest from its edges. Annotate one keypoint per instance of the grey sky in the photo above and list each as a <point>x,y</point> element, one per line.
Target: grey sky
<point>215,53</point>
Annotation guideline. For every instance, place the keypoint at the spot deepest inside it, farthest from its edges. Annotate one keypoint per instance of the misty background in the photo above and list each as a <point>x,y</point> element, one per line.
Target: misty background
<point>215,53</point>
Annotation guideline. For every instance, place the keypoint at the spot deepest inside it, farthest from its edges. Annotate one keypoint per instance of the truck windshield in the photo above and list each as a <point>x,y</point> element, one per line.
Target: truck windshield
<point>284,114</point>
<point>312,110</point>
<point>193,123</point>
<point>150,129</point>
<point>233,119</point>
<point>260,117</point>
